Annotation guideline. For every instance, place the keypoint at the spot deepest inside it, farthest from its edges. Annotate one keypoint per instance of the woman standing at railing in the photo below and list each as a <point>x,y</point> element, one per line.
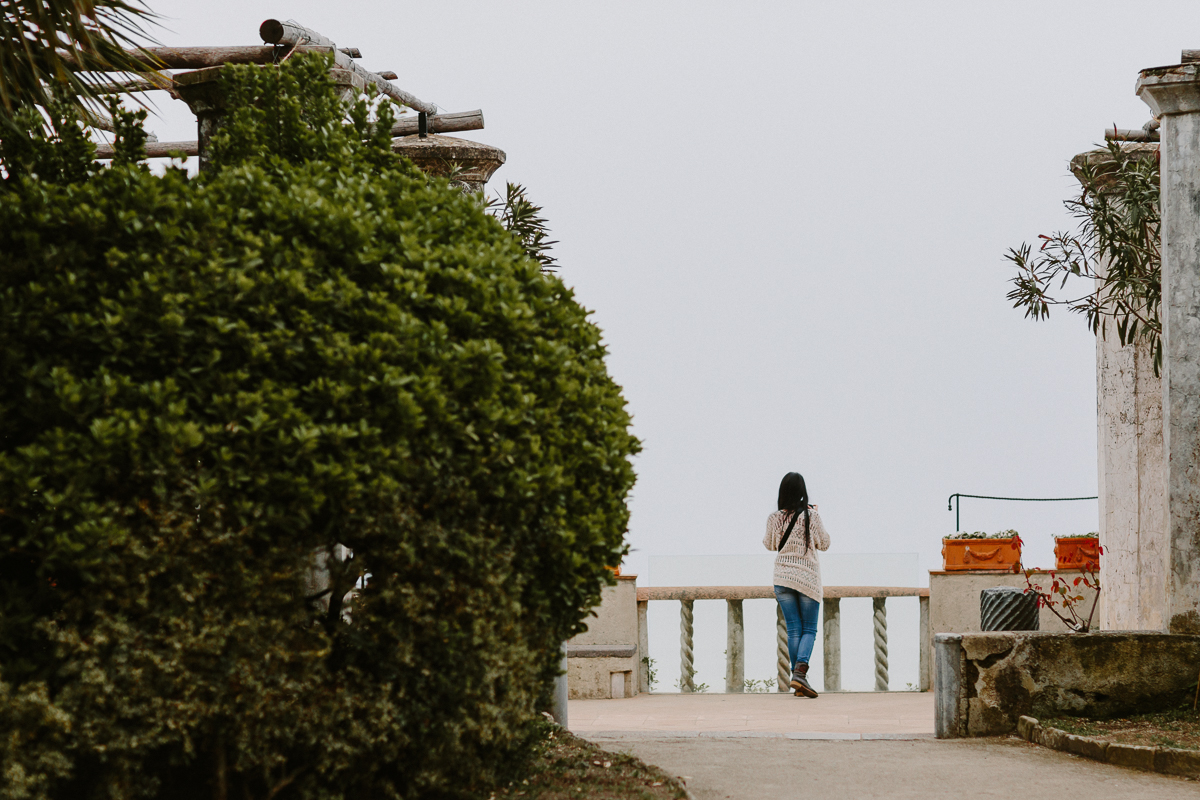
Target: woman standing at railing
<point>795,530</point>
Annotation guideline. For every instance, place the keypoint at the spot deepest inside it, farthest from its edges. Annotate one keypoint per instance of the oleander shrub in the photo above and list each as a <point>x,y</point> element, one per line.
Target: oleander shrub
<point>306,468</point>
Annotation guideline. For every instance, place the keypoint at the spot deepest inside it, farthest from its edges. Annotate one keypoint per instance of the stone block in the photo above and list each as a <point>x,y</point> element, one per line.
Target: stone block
<point>986,682</point>
<point>1053,738</point>
<point>949,711</point>
<point>985,645</point>
<point>592,678</point>
<point>614,621</point>
<point>1177,762</point>
<point>1131,755</point>
<point>1087,747</point>
<point>1029,729</point>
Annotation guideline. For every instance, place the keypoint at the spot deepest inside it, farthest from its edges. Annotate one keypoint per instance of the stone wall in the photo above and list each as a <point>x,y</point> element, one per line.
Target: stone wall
<point>984,682</point>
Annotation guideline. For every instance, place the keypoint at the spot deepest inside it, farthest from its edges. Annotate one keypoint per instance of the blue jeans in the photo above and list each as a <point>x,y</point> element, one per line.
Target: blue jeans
<point>800,613</point>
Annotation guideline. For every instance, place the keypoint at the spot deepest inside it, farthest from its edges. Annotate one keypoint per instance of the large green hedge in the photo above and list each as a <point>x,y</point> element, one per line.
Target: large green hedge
<point>211,386</point>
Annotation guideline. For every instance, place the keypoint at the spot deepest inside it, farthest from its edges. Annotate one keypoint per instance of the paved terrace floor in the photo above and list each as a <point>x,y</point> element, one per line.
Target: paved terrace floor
<point>927,769</point>
<point>769,747</point>
<point>848,715</point>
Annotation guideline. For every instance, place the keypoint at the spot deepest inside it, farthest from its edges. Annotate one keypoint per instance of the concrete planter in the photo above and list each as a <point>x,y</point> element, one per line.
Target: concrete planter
<point>1077,552</point>
<point>999,555</point>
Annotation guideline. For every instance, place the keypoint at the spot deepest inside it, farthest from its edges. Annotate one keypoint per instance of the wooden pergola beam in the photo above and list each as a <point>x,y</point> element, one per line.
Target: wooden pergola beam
<point>149,82</point>
<point>296,35</point>
<point>440,123</point>
<point>154,150</point>
<point>276,32</point>
<point>1130,135</point>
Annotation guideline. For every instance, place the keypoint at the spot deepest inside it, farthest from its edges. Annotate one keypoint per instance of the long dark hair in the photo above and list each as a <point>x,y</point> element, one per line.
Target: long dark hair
<point>793,498</point>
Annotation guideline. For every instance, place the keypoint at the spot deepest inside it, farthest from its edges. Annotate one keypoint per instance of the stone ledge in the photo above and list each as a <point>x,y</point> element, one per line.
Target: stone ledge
<point>1167,760</point>
<point>601,650</point>
<point>986,681</point>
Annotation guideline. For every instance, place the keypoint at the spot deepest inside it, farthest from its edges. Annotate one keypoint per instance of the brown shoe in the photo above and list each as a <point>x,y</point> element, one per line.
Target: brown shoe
<point>800,682</point>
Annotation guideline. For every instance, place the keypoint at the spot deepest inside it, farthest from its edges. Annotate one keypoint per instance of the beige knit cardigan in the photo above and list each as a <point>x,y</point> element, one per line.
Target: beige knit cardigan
<point>795,568</point>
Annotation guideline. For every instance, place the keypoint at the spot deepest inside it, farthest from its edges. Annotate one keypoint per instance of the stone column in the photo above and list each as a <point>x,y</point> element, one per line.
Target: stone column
<point>1132,483</point>
<point>201,90</point>
<point>1174,93</point>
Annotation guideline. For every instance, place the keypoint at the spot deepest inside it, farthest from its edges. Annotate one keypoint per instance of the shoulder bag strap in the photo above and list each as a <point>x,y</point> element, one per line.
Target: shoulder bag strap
<point>788,532</point>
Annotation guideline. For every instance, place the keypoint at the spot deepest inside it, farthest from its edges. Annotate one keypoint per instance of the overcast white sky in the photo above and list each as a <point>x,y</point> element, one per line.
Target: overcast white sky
<point>790,220</point>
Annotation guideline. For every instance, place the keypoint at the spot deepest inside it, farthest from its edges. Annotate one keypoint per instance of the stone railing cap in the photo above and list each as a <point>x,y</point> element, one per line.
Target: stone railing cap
<point>601,650</point>
<point>646,593</point>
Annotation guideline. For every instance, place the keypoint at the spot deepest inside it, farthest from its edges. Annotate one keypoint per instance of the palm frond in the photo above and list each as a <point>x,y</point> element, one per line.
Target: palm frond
<point>47,48</point>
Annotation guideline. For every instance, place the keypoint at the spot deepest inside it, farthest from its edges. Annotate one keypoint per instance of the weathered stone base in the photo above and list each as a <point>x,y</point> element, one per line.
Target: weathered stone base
<point>1167,760</point>
<point>591,678</point>
<point>985,682</point>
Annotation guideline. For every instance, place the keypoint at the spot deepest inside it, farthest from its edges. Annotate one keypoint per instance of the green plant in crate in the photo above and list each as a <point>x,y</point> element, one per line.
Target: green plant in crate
<point>1008,534</point>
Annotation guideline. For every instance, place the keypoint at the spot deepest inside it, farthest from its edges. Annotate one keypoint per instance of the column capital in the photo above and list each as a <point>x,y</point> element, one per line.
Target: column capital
<point>469,164</point>
<point>1170,90</point>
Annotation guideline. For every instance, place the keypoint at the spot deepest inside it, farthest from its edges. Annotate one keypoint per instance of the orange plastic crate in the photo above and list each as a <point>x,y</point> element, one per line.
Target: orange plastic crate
<point>993,554</point>
<point>1075,552</point>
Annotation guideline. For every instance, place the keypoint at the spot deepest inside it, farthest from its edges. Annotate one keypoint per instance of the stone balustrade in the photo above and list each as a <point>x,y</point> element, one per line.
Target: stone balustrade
<point>733,596</point>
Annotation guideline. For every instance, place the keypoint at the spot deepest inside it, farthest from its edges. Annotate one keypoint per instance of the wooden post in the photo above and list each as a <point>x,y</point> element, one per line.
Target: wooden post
<point>735,648</point>
<point>832,643</point>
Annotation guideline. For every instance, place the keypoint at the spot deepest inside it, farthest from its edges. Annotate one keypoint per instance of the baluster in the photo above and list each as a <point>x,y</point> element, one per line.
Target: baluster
<point>881,660</point>
<point>735,648</point>
<point>686,671</point>
<point>782,659</point>
<point>832,644</point>
<point>643,647</point>
<point>923,641</point>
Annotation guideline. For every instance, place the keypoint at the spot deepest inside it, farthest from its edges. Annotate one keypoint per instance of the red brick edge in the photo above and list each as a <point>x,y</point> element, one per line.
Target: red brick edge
<point>1166,760</point>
